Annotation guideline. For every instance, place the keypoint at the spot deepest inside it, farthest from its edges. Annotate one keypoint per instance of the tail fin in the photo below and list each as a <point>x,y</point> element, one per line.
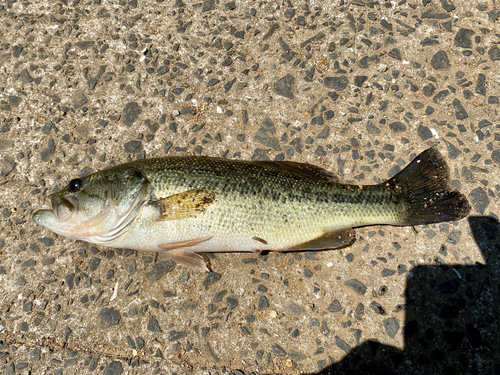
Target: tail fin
<point>425,183</point>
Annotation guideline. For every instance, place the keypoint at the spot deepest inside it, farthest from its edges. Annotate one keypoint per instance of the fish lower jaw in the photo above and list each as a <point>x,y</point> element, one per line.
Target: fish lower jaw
<point>45,218</point>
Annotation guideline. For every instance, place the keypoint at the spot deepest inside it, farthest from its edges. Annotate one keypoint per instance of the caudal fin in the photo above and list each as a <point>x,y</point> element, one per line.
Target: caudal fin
<point>425,182</point>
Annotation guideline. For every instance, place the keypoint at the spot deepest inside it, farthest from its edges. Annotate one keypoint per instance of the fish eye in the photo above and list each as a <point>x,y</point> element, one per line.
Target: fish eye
<point>75,185</point>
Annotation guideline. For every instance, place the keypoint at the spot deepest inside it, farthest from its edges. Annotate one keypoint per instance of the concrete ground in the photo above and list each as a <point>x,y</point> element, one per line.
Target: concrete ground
<point>356,86</point>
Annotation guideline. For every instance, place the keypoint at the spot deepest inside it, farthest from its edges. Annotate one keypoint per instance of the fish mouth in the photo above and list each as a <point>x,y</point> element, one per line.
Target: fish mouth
<point>63,207</point>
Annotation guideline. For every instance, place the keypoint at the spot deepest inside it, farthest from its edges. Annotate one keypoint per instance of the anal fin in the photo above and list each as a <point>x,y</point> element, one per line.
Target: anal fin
<point>329,240</point>
<point>175,251</point>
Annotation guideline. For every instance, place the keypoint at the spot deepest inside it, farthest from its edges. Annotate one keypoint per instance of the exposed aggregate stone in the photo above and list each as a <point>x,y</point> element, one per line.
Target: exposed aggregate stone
<point>357,87</point>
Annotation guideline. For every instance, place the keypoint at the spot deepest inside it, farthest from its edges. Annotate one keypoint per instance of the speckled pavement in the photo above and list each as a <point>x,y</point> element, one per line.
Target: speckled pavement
<point>359,87</point>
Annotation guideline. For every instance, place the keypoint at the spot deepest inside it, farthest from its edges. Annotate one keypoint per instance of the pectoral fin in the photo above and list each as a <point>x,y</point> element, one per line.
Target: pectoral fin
<point>329,240</point>
<point>174,251</point>
<point>186,204</point>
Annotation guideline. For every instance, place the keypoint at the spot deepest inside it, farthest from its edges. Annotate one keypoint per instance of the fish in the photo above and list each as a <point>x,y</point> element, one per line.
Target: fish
<point>187,205</point>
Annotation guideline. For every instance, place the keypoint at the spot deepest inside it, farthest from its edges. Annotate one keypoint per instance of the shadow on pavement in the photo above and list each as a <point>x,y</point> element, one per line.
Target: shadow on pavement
<point>452,320</point>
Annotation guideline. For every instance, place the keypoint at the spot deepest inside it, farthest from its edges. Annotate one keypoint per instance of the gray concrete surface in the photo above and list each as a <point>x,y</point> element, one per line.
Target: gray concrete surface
<point>356,86</point>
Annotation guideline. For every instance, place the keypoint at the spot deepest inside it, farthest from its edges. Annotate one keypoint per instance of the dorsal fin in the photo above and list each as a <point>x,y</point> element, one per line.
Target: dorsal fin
<point>304,170</point>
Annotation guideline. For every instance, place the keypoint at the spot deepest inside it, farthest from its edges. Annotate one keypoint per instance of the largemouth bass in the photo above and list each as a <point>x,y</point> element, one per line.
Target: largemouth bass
<point>181,206</point>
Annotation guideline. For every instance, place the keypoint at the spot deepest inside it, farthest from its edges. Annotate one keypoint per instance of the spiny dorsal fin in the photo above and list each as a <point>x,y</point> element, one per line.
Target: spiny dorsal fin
<point>186,204</point>
<point>304,170</point>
